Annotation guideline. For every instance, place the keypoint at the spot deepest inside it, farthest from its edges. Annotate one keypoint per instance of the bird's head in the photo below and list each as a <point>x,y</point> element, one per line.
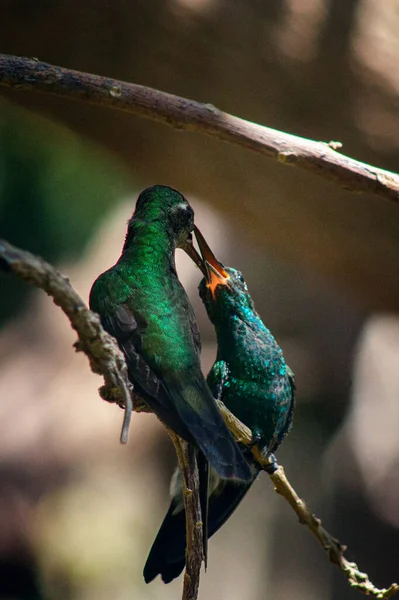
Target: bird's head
<point>223,289</point>
<point>162,208</point>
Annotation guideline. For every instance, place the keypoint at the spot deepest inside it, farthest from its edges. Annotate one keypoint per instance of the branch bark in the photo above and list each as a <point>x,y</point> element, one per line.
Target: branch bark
<point>321,158</point>
<point>104,355</point>
<point>282,486</point>
<point>194,527</point>
<point>106,359</point>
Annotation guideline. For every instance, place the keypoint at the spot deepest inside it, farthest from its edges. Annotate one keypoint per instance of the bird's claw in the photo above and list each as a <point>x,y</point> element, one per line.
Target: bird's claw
<point>272,466</point>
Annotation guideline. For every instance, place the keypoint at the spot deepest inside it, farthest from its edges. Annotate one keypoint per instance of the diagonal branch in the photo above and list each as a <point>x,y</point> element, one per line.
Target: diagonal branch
<point>106,359</point>
<point>103,353</point>
<point>321,158</point>
<point>192,507</point>
<point>333,547</point>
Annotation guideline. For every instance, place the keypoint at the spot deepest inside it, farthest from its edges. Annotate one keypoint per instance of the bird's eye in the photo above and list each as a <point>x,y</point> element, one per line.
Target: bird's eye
<point>186,216</point>
<point>241,278</point>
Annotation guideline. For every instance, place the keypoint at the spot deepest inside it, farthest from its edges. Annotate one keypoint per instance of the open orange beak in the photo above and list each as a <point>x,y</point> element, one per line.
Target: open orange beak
<point>216,275</point>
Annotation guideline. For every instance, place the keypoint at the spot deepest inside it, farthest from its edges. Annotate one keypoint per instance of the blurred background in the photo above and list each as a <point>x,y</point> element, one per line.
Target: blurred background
<point>78,512</point>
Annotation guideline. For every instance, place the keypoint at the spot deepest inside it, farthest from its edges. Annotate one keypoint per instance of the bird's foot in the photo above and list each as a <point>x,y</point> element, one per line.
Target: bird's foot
<point>272,466</point>
<point>256,439</point>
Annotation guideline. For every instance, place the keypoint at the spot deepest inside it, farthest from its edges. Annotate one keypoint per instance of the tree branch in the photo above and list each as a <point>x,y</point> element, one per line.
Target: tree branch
<point>194,527</point>
<point>282,486</point>
<point>103,353</point>
<point>321,158</point>
<point>106,359</point>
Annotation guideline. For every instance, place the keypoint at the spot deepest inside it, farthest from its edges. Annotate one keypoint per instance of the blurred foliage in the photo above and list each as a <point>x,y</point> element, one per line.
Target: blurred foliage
<point>54,189</point>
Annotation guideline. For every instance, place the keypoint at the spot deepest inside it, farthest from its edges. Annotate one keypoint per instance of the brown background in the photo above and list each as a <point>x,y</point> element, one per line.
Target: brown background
<point>319,261</point>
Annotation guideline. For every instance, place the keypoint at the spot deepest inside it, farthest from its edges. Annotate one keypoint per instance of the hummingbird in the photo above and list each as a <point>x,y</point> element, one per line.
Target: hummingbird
<point>142,303</point>
<point>254,382</point>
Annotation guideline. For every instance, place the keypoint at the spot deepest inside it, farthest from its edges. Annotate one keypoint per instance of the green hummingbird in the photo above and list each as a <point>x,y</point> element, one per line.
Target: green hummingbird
<point>253,380</point>
<point>142,303</point>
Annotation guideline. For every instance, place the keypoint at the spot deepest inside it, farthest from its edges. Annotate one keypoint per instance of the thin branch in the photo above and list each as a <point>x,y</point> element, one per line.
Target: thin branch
<point>334,548</point>
<point>321,158</point>
<point>194,527</point>
<point>106,359</point>
<point>103,353</point>
<point>282,486</point>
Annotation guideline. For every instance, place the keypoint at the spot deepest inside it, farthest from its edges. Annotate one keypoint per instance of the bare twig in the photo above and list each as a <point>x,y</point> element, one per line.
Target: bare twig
<point>103,353</point>
<point>107,360</point>
<point>321,158</point>
<point>334,548</point>
<point>282,486</point>
<point>194,546</point>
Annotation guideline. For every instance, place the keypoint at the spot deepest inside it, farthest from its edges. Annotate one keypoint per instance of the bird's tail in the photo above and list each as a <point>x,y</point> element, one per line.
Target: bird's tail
<point>167,556</point>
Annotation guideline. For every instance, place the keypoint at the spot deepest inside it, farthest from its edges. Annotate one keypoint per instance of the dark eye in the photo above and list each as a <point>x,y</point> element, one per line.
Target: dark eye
<point>183,216</point>
<point>188,213</point>
<point>240,277</point>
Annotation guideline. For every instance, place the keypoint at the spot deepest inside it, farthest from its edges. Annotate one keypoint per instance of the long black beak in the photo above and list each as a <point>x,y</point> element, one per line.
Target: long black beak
<point>215,273</point>
<point>193,254</point>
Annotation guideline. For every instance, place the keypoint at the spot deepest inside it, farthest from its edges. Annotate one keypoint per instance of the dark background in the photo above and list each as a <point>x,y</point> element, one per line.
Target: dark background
<point>78,513</point>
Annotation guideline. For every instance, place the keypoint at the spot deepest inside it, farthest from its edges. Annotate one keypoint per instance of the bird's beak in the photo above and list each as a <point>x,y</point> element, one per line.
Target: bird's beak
<point>215,273</point>
<point>193,254</point>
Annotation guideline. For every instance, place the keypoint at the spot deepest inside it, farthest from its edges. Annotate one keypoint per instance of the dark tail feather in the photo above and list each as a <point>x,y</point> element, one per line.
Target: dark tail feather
<point>223,503</point>
<point>167,556</point>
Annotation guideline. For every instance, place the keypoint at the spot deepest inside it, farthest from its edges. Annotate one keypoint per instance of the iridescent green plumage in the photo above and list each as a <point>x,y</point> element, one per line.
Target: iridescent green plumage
<point>142,303</point>
<point>252,379</point>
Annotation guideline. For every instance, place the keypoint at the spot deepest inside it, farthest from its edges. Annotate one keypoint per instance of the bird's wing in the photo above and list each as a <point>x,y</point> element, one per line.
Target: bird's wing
<point>128,327</point>
<point>199,412</point>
